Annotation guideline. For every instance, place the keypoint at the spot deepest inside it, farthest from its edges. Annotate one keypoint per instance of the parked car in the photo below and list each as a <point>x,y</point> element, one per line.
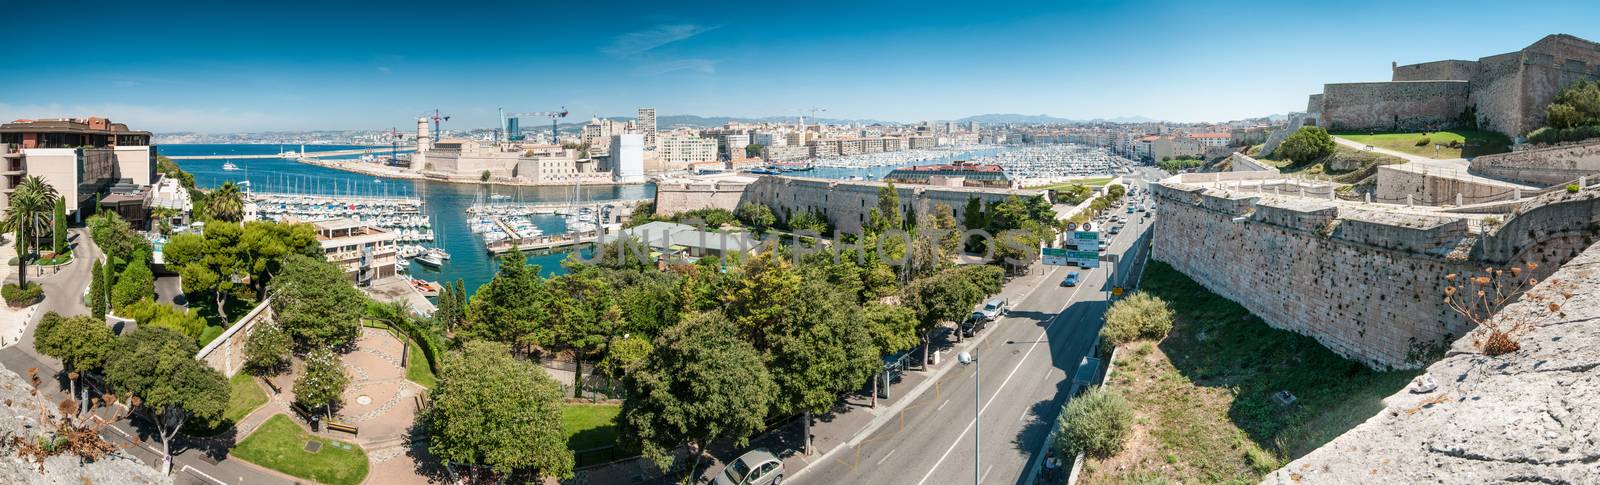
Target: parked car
<point>995,308</point>
<point>757,467</point>
<point>973,324</point>
<point>1071,280</point>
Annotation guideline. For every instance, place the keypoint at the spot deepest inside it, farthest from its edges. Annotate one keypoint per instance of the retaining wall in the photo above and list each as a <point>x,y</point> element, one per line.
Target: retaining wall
<point>1543,166</point>
<point>226,353</point>
<point>1403,106</point>
<point>1436,186</point>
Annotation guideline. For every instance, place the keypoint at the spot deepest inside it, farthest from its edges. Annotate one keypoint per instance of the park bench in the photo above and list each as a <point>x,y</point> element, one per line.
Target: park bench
<point>347,428</point>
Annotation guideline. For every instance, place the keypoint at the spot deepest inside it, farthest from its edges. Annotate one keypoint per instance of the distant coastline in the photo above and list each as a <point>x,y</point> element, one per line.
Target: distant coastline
<point>385,171</point>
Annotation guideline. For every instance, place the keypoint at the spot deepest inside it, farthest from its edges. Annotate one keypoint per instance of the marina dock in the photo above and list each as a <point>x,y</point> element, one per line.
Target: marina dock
<point>542,243</point>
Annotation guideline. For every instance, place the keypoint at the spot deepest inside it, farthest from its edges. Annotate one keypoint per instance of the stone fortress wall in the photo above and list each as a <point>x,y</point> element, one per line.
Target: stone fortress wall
<point>1366,283</point>
<point>682,195</point>
<point>1401,106</point>
<point>1508,91</point>
<point>1550,165</point>
<point>846,204</point>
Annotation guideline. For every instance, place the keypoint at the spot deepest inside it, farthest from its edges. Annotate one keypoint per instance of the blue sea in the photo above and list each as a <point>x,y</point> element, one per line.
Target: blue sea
<point>446,203</point>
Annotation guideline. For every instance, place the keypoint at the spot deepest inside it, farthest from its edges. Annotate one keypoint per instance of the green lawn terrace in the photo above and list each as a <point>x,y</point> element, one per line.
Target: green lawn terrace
<point>1454,143</point>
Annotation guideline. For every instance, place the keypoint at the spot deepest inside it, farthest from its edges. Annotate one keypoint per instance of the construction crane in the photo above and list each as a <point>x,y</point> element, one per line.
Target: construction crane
<point>437,120</point>
<point>814,111</point>
<point>555,116</point>
<point>394,145</point>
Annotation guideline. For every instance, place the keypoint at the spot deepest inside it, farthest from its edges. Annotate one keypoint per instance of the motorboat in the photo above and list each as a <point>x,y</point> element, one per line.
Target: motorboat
<point>430,259</point>
<point>440,253</point>
<point>229,166</point>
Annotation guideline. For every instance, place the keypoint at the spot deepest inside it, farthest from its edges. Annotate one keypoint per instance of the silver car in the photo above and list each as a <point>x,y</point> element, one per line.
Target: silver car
<point>757,467</point>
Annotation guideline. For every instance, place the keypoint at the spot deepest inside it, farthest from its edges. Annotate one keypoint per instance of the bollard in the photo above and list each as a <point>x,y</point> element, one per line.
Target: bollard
<point>1516,194</point>
<point>1458,199</point>
<point>1302,191</point>
<point>1583,181</point>
<point>1368,197</point>
<point>1408,200</point>
<point>1330,192</point>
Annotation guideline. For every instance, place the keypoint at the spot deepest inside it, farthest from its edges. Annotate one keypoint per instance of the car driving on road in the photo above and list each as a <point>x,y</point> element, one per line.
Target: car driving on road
<point>1071,279</point>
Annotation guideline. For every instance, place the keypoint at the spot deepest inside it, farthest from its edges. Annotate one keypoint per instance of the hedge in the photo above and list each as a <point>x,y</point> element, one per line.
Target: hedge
<point>18,297</point>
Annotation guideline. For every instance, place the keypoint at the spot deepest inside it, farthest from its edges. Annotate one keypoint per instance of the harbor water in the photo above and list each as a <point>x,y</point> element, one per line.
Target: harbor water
<point>445,203</point>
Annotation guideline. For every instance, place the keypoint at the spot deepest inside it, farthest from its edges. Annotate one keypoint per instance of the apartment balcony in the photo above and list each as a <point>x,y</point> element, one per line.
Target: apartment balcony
<point>11,151</point>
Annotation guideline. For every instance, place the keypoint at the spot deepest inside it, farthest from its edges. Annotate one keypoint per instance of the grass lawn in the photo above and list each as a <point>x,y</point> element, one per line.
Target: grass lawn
<point>1086,182</point>
<point>244,396</point>
<point>590,425</point>
<point>1202,396</point>
<point>1472,142</point>
<point>417,368</point>
<point>280,444</point>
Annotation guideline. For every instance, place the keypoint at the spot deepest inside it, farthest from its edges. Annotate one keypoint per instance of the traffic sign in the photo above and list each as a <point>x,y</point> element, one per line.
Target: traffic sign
<point>1055,256</point>
<point>1116,291</point>
<point>1086,259</point>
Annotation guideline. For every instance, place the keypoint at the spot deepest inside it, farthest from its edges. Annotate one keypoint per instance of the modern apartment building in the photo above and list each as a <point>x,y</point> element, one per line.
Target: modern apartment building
<point>81,158</point>
<point>645,122</point>
<point>676,152</point>
<point>364,251</point>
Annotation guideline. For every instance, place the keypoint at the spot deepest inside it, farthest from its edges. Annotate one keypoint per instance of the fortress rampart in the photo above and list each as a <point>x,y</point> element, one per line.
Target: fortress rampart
<point>1396,106</point>
<point>1365,282</point>
<point>1543,166</point>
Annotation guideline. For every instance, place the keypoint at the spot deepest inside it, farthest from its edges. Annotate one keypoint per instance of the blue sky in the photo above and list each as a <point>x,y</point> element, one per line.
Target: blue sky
<point>289,65</point>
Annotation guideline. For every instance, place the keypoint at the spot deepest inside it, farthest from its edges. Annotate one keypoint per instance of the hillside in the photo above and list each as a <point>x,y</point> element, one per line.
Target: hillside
<point>19,417</point>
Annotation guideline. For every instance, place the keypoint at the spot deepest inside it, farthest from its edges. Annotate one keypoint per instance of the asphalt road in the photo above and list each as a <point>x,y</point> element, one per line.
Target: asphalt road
<point>1026,376</point>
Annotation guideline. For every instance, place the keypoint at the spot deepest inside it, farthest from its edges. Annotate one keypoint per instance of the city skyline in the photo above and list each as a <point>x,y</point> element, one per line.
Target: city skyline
<point>337,67</point>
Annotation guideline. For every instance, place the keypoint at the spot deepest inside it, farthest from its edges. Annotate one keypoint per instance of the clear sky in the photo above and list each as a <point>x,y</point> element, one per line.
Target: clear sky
<point>290,65</point>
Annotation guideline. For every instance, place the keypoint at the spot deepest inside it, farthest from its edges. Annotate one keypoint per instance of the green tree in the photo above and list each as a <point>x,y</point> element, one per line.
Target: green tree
<point>701,383</point>
<point>322,382</point>
<point>758,217</point>
<point>208,263</point>
<point>116,237</point>
<point>944,297</point>
<point>31,205</point>
<point>157,367</point>
<point>974,218</point>
<point>148,313</point>
<point>59,230</point>
<point>1096,423</point>
<point>316,304</point>
<point>136,283</point>
<point>1140,315</point>
<point>1116,191</point>
<point>1306,145</point>
<point>584,316</point>
<point>817,350</point>
<point>496,411</point>
<point>99,298</point>
<point>225,203</point>
<point>484,177</point>
<point>168,167</point>
<point>512,308</point>
<point>82,343</point>
<point>888,214</point>
<point>263,246</point>
<point>267,349</point>
<point>809,220</point>
<point>753,150</point>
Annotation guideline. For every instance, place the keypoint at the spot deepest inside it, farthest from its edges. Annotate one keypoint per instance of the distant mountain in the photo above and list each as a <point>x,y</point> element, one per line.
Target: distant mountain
<point>998,118</point>
<point>670,121</point>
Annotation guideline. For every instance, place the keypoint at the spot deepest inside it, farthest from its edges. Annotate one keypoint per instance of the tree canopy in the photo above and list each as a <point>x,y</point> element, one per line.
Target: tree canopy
<point>701,383</point>
<point>315,303</point>
<point>1306,145</point>
<point>81,342</point>
<point>512,308</point>
<point>497,411</point>
<point>322,382</point>
<point>136,283</point>
<point>157,366</point>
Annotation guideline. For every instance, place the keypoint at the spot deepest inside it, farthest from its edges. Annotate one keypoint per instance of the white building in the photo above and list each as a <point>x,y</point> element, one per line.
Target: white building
<point>627,158</point>
<point>676,152</point>
<point>646,124</point>
<point>733,144</point>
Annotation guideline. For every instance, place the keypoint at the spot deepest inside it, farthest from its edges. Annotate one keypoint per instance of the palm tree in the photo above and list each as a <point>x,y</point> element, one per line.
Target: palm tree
<point>32,206</point>
<point>226,203</point>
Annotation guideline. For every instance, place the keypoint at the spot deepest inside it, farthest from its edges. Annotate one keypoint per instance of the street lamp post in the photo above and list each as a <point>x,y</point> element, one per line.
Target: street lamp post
<point>977,399</point>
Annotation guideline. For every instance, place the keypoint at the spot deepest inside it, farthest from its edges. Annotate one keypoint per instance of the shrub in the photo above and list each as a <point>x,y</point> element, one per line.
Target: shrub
<point>1424,141</point>
<point>1096,423</point>
<point>1573,188</point>
<point>1547,135</point>
<point>18,297</point>
<point>1137,316</point>
<point>1306,145</point>
<point>136,283</point>
<point>151,314</point>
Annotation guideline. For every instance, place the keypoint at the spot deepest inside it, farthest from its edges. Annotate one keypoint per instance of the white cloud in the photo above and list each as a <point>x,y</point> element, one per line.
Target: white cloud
<point>635,43</point>
<point>150,118</point>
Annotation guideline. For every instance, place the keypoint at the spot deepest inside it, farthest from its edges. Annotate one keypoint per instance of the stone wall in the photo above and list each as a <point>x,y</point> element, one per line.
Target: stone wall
<point>1428,185</point>
<point>1244,163</point>
<point>1451,70</point>
<point>1365,283</point>
<point>674,196</point>
<point>846,204</point>
<point>1389,106</point>
<point>1529,416</point>
<point>1544,166</point>
<point>1496,93</point>
<point>226,353</point>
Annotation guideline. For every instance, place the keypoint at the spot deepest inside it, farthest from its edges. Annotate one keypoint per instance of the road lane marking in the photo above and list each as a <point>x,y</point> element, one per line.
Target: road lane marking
<point>1043,334</point>
<point>203,474</point>
<point>941,405</point>
<point>886,456</point>
<point>985,473</point>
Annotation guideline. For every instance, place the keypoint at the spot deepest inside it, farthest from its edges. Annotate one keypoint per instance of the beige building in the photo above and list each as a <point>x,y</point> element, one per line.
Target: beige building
<point>535,164</point>
<point>364,251</point>
<point>676,151</point>
<point>79,157</point>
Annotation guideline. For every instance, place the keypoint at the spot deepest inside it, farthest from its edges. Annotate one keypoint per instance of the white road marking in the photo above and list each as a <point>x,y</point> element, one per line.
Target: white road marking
<point>941,405</point>
<point>985,473</point>
<point>1042,334</point>
<point>886,456</point>
<point>203,474</point>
